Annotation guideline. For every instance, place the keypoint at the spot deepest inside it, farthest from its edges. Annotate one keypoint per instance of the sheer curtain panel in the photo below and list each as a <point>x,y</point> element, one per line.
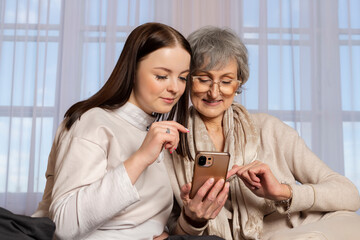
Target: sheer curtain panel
<point>304,61</point>
<point>30,50</point>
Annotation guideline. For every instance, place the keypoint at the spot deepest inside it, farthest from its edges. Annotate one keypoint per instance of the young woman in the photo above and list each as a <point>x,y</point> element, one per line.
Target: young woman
<point>105,176</point>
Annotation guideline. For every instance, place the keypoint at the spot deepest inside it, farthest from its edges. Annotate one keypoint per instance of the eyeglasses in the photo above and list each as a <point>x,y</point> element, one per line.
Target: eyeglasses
<point>204,83</point>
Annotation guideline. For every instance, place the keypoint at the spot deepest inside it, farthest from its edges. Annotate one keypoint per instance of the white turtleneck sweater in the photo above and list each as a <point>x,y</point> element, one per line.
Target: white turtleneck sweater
<point>88,192</point>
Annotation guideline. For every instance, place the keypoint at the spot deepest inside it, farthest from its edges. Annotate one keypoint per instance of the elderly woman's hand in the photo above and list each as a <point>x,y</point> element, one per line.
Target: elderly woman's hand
<point>258,177</point>
<point>207,202</point>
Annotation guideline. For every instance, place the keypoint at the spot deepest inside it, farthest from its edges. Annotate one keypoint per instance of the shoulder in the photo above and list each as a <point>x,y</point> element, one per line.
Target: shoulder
<point>96,116</point>
<point>97,113</point>
<point>95,123</point>
<point>265,119</point>
<point>268,124</point>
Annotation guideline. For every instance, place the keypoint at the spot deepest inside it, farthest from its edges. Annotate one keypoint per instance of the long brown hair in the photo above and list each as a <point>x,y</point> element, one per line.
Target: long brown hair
<point>142,41</point>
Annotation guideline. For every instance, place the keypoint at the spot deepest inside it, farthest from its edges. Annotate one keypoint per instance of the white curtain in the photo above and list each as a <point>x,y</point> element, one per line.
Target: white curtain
<point>304,61</point>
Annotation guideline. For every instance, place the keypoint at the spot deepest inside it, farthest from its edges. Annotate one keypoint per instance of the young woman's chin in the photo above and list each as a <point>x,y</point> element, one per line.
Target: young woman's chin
<point>164,109</point>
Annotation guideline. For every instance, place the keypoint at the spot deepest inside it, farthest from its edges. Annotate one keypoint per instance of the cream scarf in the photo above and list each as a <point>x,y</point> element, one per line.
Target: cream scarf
<point>242,142</point>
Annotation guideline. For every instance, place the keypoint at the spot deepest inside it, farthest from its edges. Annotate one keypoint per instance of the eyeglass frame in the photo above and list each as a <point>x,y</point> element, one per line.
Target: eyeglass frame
<point>213,82</point>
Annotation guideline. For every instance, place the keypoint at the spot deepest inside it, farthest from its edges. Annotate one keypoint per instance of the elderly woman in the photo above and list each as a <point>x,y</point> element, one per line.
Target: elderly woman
<point>277,188</point>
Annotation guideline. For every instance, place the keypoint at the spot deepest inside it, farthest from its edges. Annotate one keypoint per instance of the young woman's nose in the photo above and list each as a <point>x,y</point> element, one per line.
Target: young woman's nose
<point>173,85</point>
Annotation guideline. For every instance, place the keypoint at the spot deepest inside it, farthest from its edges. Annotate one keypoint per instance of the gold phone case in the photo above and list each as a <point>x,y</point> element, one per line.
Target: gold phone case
<point>207,165</point>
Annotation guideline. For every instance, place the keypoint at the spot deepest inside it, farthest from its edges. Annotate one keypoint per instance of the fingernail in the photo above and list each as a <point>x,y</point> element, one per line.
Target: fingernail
<point>211,180</point>
<point>187,130</point>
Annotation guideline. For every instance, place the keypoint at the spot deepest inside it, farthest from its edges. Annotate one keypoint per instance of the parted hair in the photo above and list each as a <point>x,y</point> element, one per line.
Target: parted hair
<point>214,47</point>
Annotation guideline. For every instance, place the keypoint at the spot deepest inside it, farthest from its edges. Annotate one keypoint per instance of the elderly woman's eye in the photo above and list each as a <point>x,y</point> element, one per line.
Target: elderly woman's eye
<point>204,79</point>
<point>226,81</point>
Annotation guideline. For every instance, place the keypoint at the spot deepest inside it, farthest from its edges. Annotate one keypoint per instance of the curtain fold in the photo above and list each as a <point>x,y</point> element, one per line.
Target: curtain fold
<point>303,57</point>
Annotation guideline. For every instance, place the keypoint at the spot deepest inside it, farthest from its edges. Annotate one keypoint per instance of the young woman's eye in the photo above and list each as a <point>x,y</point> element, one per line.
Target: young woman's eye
<point>183,78</point>
<point>161,77</point>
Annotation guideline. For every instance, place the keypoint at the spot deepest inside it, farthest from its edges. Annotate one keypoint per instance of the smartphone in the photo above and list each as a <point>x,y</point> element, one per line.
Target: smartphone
<point>207,165</point>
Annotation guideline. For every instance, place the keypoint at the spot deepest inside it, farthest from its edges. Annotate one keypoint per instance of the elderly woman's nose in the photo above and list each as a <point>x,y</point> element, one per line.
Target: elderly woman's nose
<point>214,90</point>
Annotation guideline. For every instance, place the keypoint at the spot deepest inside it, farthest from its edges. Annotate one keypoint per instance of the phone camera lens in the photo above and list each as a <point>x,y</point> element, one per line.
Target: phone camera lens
<point>202,160</point>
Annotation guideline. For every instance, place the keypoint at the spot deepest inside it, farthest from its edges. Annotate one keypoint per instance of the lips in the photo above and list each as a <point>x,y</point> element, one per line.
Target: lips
<point>168,100</point>
<point>212,102</point>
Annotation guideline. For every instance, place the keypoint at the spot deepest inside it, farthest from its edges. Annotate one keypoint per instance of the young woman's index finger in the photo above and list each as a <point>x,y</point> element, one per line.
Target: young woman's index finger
<point>177,125</point>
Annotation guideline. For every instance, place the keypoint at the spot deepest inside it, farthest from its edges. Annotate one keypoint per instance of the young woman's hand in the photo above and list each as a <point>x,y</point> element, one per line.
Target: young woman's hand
<point>207,202</point>
<point>258,177</point>
<point>161,135</point>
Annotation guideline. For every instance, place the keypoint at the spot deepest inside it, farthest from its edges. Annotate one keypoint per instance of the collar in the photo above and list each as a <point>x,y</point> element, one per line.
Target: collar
<point>135,116</point>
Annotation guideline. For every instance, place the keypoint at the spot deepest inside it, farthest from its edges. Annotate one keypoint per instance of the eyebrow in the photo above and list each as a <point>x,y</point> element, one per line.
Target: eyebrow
<point>169,71</point>
<point>222,75</point>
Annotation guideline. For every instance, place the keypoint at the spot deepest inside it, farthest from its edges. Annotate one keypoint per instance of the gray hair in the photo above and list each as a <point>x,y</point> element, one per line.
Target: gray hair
<point>215,47</point>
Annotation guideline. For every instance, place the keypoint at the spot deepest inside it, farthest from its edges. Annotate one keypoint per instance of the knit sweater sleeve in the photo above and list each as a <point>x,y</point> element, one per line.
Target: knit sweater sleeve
<point>178,225</point>
<point>318,188</point>
<point>85,194</point>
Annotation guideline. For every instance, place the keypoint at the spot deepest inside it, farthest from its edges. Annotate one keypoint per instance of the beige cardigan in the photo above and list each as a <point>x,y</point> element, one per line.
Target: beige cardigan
<point>291,161</point>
